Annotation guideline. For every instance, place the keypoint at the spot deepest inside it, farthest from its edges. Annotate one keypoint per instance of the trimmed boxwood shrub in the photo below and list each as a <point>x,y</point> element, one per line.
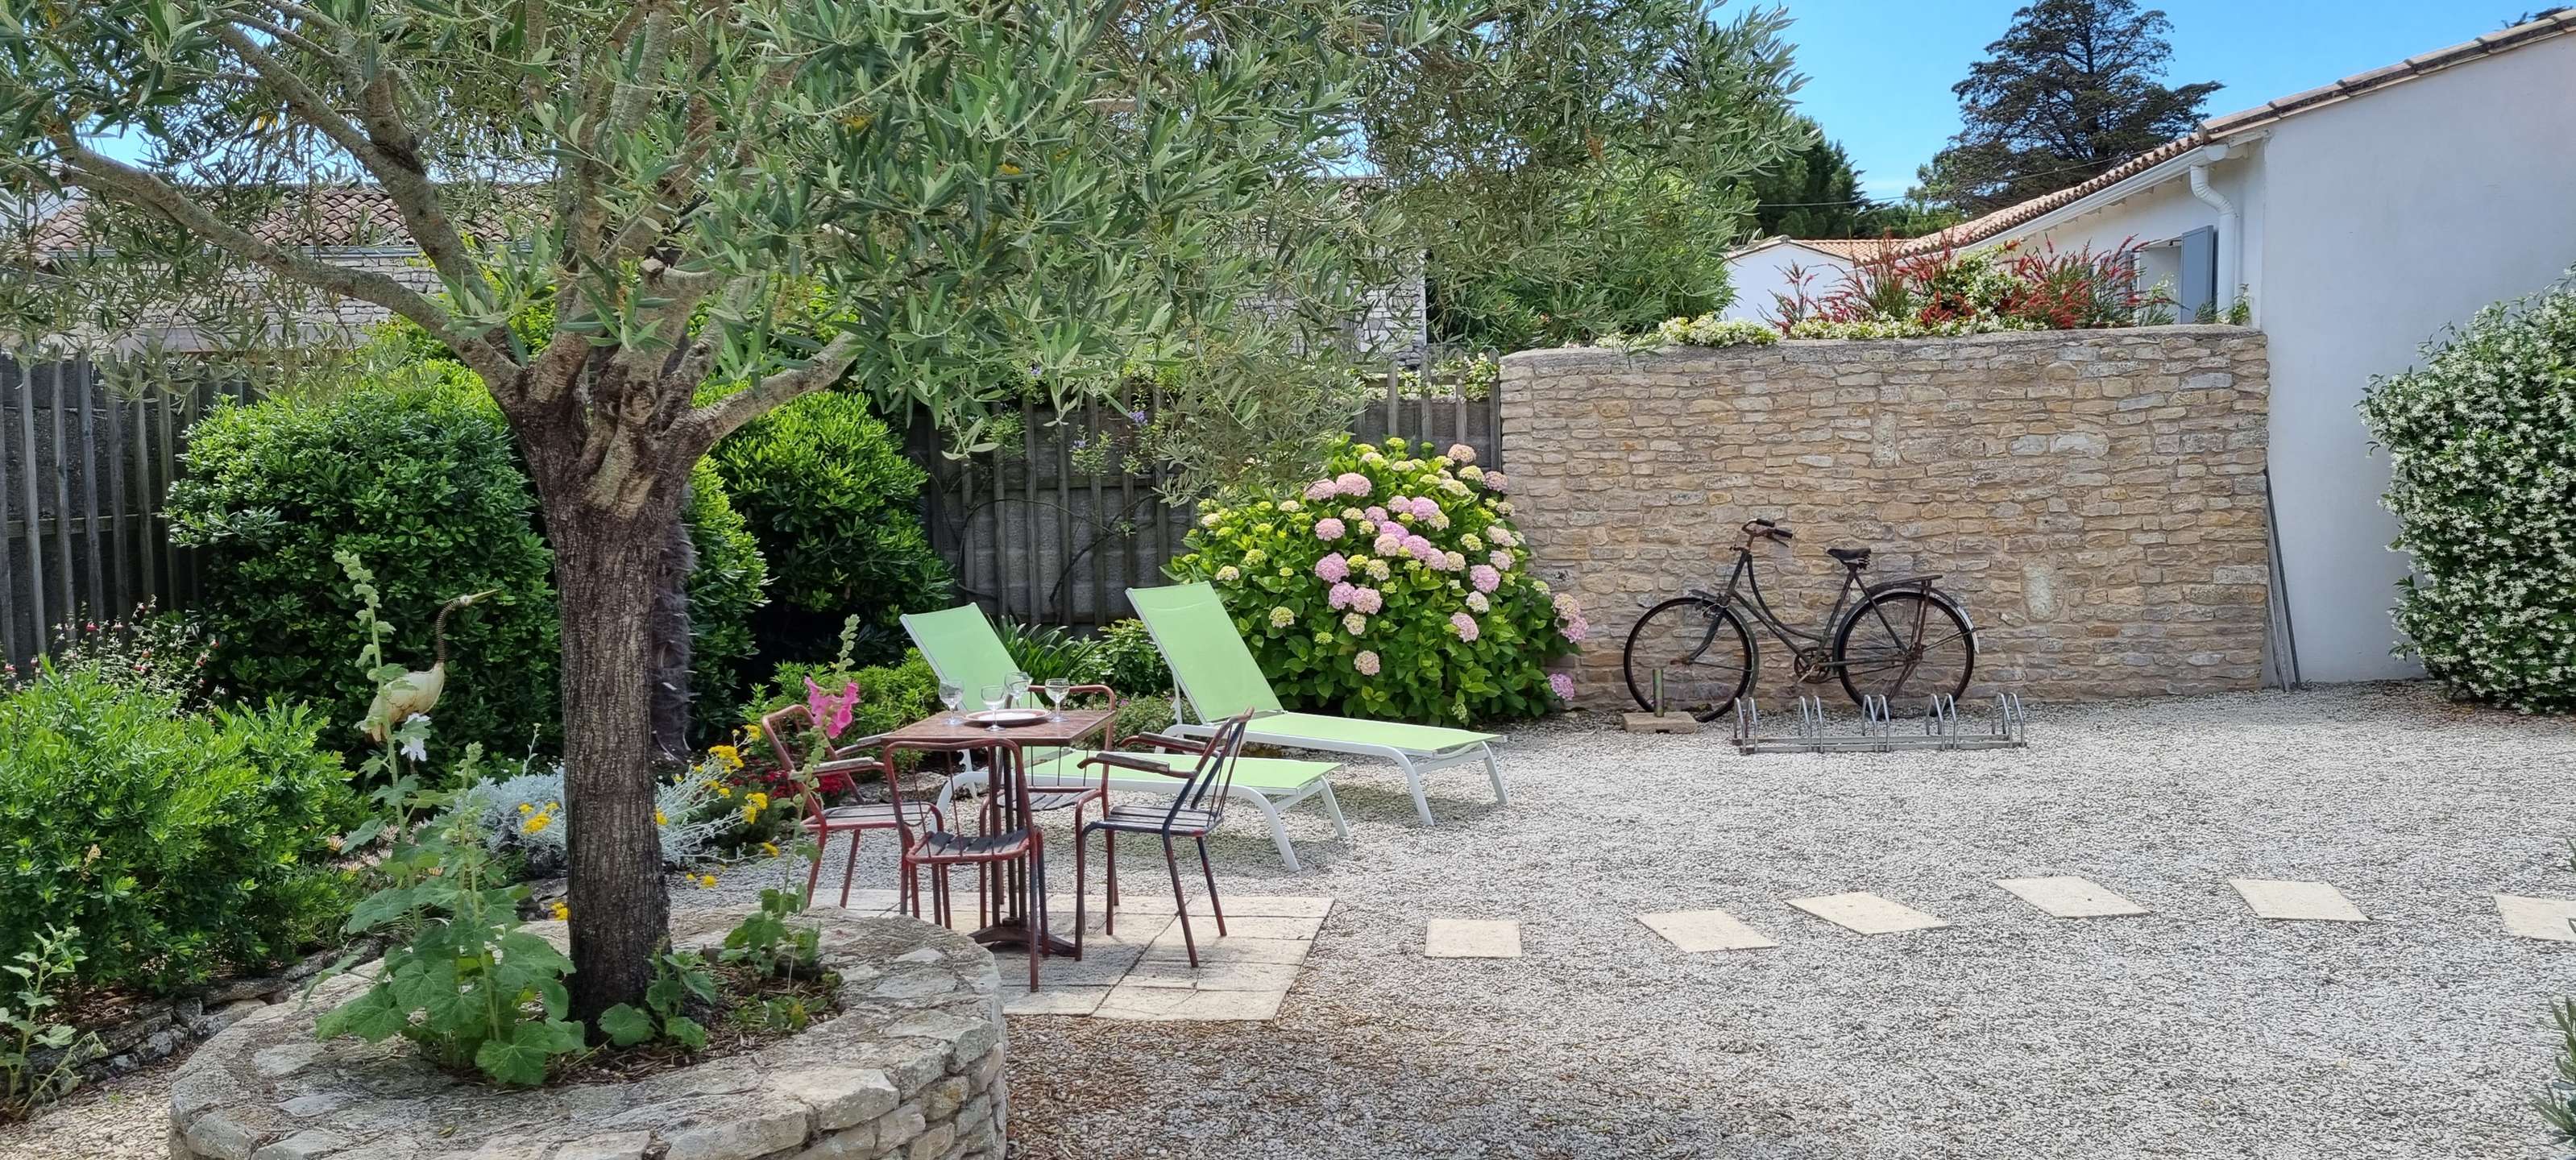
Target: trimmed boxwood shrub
<point>730,581</point>
<point>2481,441</point>
<point>1392,587</point>
<point>835,505</point>
<point>413,472</point>
<point>177,844</point>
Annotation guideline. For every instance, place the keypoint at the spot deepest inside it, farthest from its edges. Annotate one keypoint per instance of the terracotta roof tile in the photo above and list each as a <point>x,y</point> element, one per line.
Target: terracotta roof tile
<point>327,216</point>
<point>1979,229</point>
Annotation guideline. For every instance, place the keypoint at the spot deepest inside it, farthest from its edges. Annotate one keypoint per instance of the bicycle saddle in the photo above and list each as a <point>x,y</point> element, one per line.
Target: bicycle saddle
<point>1856,557</point>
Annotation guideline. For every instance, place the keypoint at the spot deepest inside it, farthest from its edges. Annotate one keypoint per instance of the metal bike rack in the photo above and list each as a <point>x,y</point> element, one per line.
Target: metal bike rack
<point>2005,727</point>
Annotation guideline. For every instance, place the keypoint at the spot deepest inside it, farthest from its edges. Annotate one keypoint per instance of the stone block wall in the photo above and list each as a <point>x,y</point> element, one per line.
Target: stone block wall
<point>2094,498</point>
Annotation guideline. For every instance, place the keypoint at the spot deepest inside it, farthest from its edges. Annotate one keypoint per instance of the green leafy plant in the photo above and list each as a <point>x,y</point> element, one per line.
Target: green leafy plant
<point>1043,651</point>
<point>678,977</point>
<point>729,584</point>
<point>178,843</point>
<point>1124,658</point>
<point>160,652</point>
<point>2558,1101</point>
<point>1393,587</point>
<point>2481,443</point>
<point>415,473</point>
<point>890,696</point>
<point>25,1032</point>
<point>772,940</point>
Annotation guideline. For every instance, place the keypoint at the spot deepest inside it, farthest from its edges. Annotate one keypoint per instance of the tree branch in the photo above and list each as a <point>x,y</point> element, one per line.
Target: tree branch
<point>718,419</point>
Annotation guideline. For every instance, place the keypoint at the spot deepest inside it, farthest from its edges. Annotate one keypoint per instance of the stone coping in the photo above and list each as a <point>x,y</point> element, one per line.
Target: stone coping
<point>1563,358</point>
<point>911,1066</point>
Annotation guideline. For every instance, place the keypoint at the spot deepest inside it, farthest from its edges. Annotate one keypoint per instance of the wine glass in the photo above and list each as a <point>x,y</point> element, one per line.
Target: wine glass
<point>1056,688</point>
<point>1019,688</point>
<point>952,695</point>
<point>993,695</point>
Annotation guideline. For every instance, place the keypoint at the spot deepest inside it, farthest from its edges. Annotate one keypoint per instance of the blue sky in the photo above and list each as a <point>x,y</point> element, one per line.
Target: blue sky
<point>1879,71</point>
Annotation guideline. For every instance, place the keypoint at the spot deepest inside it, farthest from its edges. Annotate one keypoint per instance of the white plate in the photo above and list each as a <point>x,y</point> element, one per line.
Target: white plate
<point>1008,717</point>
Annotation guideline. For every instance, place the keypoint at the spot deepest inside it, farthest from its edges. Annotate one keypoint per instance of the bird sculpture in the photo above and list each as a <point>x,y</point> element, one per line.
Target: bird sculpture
<point>416,692</point>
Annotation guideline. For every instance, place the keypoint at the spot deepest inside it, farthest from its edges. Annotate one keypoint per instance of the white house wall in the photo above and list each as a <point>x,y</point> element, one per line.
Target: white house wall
<point>1760,276</point>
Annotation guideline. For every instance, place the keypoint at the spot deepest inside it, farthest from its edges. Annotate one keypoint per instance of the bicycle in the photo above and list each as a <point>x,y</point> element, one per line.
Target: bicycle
<point>1903,639</point>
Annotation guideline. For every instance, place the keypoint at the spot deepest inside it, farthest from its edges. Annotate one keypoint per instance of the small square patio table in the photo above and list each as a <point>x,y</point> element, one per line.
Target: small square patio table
<point>1020,899</point>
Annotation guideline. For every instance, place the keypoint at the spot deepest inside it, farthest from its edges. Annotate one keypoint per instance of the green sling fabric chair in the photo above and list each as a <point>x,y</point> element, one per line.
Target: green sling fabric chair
<point>963,649</point>
<point>1216,671</point>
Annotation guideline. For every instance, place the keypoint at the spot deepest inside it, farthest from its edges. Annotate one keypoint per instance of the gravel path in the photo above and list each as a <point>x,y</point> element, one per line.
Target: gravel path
<point>2196,1031</point>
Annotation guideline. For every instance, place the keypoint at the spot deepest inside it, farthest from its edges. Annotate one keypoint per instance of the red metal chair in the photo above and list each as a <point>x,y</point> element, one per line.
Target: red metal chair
<point>845,762</point>
<point>1006,851</point>
<point>1194,812</point>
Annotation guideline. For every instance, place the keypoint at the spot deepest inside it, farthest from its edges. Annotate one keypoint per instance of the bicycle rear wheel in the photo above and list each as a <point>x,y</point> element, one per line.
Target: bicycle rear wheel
<point>1702,650</point>
<point>1905,645</point>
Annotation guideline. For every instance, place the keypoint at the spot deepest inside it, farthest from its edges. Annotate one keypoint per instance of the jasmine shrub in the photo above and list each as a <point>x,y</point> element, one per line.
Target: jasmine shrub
<point>2481,441</point>
<point>1394,587</point>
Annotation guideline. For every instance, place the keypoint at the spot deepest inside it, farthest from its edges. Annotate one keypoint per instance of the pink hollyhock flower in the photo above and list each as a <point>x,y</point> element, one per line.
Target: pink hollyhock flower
<point>1329,529</point>
<point>1320,490</point>
<point>831,710</point>
<point>1564,686</point>
<point>1484,577</point>
<point>1368,600</point>
<point>1501,559</point>
<point>1464,625</point>
<point>1366,663</point>
<point>1351,483</point>
<point>1341,596</point>
<point>1376,515</point>
<point>1333,569</point>
<point>1460,453</point>
<point>1388,544</point>
<point>1495,482</point>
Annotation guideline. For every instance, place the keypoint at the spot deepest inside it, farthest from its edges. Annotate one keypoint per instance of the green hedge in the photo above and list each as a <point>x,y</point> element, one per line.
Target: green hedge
<point>730,581</point>
<point>2481,441</point>
<point>177,844</point>
<point>414,473</point>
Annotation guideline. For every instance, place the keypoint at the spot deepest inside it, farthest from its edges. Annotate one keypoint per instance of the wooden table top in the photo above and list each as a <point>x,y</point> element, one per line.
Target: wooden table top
<point>1078,724</point>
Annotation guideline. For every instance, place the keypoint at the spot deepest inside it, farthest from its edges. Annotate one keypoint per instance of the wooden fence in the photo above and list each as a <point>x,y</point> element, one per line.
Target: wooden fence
<point>1032,534</point>
<point>83,468</point>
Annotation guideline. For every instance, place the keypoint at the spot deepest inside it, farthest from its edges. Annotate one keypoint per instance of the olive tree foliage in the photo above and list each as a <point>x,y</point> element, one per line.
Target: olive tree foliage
<point>724,204</point>
<point>1580,167</point>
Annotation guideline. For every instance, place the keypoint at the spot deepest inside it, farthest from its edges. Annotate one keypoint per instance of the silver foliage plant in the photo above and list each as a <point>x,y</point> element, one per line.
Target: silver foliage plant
<point>2481,441</point>
<point>687,837</point>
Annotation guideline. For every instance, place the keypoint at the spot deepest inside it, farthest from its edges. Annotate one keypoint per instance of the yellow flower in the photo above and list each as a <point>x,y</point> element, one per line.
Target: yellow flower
<point>562,912</point>
<point>537,823</point>
<point>525,808</point>
<point>730,756</point>
<point>706,881</point>
<point>659,819</point>
<point>1010,169</point>
<point>759,799</point>
<point>724,791</point>
<point>769,848</point>
<point>751,733</point>
<point>750,814</point>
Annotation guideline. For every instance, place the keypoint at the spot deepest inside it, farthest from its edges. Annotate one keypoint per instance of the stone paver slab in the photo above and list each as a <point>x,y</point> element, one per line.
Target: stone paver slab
<point>1695,931</point>
<point>1464,938</point>
<point>1054,998</point>
<point>1229,950</point>
<point>1169,1004</point>
<point>2066,896</point>
<point>1213,976</point>
<point>2297,901</point>
<point>1274,906</point>
<point>1867,913</point>
<point>2540,918</point>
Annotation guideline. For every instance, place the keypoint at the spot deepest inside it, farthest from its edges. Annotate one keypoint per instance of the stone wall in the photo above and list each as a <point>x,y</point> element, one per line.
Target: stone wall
<point>911,1068</point>
<point>2094,498</point>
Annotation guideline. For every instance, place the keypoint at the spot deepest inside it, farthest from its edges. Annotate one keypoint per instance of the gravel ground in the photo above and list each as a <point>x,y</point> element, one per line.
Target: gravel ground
<point>2197,1031</point>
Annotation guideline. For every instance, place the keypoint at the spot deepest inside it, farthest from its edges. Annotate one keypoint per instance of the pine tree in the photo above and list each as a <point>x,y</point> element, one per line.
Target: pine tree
<point>2072,89</point>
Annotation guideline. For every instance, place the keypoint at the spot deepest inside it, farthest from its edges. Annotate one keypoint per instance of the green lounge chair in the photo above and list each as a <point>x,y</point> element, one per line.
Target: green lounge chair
<point>963,649</point>
<point>1208,658</point>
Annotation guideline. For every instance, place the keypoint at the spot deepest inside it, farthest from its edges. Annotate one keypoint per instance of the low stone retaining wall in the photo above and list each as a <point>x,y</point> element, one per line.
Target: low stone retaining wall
<point>911,1068</point>
<point>2094,498</point>
<point>158,1029</point>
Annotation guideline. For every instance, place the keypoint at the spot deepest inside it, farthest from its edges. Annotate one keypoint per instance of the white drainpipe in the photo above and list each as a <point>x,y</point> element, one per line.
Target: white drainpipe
<point>2231,236</point>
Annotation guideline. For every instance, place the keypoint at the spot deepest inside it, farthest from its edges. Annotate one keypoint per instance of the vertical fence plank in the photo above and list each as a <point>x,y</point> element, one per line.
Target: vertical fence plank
<point>122,577</point>
<point>1034,610</point>
<point>35,541</point>
<point>1133,533</point>
<point>63,503</point>
<point>11,376</point>
<point>147,555</point>
<point>1158,502</point>
<point>1099,538</point>
<point>1062,586</point>
<point>89,492</point>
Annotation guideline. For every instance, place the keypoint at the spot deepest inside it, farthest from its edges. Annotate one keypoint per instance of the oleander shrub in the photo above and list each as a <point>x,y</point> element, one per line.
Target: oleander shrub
<point>1394,587</point>
<point>2481,443</point>
<point>413,471</point>
<point>178,844</point>
<point>835,505</point>
<point>1892,294</point>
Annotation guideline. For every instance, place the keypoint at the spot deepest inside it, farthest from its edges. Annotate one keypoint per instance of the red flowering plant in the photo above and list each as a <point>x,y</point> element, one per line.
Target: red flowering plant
<point>1896,294</point>
<point>159,652</point>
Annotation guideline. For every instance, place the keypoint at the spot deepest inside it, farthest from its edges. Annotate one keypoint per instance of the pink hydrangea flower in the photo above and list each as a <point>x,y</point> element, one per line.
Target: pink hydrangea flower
<point>1333,569</point>
<point>1368,600</point>
<point>1567,608</point>
<point>1424,509</point>
<point>1465,626</point>
<point>1320,490</point>
<point>1329,529</point>
<point>1577,628</point>
<point>1341,596</point>
<point>1354,623</point>
<point>1351,483</point>
<point>1484,577</point>
<point>1460,453</point>
<point>1376,514</point>
<point>1501,536</point>
<point>1563,685</point>
<point>1421,549</point>
<point>1366,663</point>
<point>1452,561</point>
<point>1495,482</point>
<point>1501,559</point>
<point>1388,544</point>
<point>1476,603</point>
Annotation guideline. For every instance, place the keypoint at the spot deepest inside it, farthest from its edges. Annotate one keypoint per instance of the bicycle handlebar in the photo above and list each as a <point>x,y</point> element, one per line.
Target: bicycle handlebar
<point>1758,528</point>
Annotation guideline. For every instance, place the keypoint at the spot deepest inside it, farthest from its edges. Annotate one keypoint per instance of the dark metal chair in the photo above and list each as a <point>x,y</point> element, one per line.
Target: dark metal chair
<point>1194,812</point>
<point>843,763</point>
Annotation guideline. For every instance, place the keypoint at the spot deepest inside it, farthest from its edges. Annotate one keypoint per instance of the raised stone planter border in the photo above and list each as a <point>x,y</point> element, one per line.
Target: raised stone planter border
<point>156,1030</point>
<point>912,1067</point>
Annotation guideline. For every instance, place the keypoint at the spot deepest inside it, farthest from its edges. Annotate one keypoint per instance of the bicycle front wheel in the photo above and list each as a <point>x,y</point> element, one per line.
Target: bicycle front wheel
<point>1905,645</point>
<point>1700,649</point>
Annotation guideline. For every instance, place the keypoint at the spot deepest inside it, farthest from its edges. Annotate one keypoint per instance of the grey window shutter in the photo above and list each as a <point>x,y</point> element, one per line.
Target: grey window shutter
<point>2197,290</point>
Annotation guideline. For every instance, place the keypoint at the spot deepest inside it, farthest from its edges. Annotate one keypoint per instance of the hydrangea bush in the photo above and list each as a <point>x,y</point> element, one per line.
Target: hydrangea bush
<point>2481,441</point>
<point>1394,586</point>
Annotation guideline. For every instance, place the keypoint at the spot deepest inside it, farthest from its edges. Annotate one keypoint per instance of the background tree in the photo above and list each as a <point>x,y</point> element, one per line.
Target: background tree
<point>1815,193</point>
<point>2071,89</point>
<point>1578,166</point>
<point>977,199</point>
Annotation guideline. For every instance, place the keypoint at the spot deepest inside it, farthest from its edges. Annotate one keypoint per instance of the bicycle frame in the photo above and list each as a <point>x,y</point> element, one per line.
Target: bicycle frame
<point>1744,576</point>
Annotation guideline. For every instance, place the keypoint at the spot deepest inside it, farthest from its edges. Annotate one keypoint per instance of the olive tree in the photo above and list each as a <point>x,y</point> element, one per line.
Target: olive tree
<point>722,205</point>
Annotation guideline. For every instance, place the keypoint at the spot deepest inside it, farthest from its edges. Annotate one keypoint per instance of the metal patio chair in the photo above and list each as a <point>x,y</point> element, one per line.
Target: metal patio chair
<point>1194,812</point>
<point>846,762</point>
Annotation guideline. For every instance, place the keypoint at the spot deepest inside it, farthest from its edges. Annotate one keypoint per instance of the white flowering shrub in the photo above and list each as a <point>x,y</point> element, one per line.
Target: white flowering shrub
<point>2481,441</point>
